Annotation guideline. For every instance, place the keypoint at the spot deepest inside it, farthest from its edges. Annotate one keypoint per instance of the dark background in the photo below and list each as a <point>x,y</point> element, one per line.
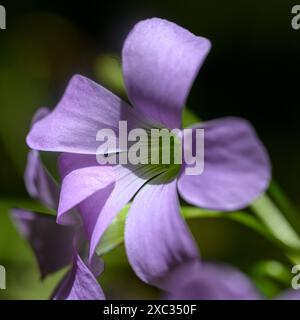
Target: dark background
<point>253,71</point>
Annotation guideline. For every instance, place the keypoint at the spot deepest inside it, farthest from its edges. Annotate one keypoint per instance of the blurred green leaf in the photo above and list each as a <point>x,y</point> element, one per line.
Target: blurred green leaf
<point>270,277</point>
<point>274,270</point>
<point>189,118</point>
<point>275,221</point>
<point>27,204</point>
<point>114,235</point>
<point>108,70</point>
<point>284,204</point>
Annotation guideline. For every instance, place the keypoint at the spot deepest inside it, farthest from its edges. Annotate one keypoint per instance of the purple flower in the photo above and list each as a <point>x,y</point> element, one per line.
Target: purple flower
<point>57,246</point>
<point>160,63</point>
<point>211,281</point>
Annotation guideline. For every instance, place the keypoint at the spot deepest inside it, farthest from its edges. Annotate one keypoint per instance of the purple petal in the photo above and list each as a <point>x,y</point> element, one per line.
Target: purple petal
<point>96,211</point>
<point>129,180</point>
<point>156,237</point>
<point>38,182</point>
<point>208,281</point>
<point>72,126</point>
<point>51,242</point>
<point>236,167</point>
<point>79,185</point>
<point>160,63</point>
<point>68,162</point>
<point>291,294</point>
<point>80,283</point>
<point>40,114</point>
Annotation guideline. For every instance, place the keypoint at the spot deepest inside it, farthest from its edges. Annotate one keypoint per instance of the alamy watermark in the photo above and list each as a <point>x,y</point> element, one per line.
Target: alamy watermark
<point>296,279</point>
<point>2,18</point>
<point>2,278</point>
<point>296,17</point>
<point>156,146</point>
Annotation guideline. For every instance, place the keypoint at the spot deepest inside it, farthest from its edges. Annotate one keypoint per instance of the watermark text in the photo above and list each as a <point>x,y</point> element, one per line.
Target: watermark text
<point>296,17</point>
<point>2,18</point>
<point>2,278</point>
<point>155,146</point>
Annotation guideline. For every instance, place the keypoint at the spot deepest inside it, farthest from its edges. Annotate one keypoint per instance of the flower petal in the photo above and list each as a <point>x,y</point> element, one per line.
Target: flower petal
<point>236,167</point>
<point>72,126</point>
<point>292,294</point>
<point>38,182</point>
<point>129,180</point>
<point>156,237</point>
<point>40,114</point>
<point>51,242</point>
<point>208,281</point>
<point>80,283</point>
<point>97,212</point>
<point>81,184</point>
<point>68,162</point>
<point>160,63</point>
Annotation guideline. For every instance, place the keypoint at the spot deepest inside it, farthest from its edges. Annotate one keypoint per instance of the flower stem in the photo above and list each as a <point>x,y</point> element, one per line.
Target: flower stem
<point>282,201</point>
<point>275,219</point>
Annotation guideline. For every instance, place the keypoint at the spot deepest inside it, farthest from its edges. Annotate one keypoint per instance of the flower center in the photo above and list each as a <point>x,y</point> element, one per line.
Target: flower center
<point>165,151</point>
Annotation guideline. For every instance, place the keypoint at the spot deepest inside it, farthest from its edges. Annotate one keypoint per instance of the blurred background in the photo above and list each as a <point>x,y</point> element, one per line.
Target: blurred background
<point>253,71</point>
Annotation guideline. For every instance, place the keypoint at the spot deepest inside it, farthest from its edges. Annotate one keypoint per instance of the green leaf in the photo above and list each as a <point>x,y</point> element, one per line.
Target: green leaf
<point>114,235</point>
<point>273,269</point>
<point>241,217</point>
<point>270,276</point>
<point>189,118</point>
<point>276,222</point>
<point>27,204</point>
<point>283,203</point>
<point>109,71</point>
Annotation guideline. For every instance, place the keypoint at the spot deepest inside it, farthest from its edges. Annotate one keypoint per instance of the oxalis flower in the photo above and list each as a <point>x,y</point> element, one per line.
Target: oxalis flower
<point>211,281</point>
<point>58,246</point>
<point>160,62</point>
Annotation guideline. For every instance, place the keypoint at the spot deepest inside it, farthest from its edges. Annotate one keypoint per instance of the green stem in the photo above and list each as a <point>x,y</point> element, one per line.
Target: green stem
<point>274,219</point>
<point>285,206</point>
